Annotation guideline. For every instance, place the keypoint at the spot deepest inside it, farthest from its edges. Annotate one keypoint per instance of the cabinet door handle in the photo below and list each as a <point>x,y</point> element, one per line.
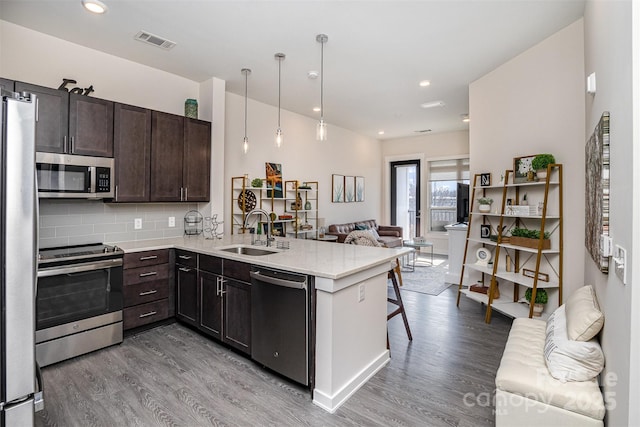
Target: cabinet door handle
<point>146,258</point>
<point>148,292</point>
<point>184,257</point>
<point>220,286</point>
<point>181,192</point>
<point>186,193</point>
<point>151,273</point>
<point>64,144</point>
<point>151,313</point>
<point>186,270</point>
<point>116,192</point>
<point>71,140</point>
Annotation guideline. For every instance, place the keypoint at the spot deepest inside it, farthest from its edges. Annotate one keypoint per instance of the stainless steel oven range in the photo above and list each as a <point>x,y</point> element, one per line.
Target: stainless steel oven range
<point>79,301</point>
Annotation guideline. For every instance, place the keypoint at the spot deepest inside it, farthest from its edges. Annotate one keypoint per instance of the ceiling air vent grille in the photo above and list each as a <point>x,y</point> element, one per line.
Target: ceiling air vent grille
<point>422,131</point>
<point>147,37</point>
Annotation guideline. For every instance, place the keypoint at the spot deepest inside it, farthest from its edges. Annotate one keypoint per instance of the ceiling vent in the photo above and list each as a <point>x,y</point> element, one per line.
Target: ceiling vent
<point>422,131</point>
<point>152,39</point>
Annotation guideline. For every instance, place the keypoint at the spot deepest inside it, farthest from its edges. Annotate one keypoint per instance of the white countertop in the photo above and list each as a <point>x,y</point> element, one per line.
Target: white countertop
<point>316,258</point>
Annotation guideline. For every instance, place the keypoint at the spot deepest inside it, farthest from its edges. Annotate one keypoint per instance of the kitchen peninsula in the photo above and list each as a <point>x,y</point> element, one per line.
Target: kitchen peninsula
<point>350,302</point>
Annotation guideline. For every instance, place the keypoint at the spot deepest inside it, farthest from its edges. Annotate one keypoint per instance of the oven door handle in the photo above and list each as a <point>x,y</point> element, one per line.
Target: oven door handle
<point>78,268</point>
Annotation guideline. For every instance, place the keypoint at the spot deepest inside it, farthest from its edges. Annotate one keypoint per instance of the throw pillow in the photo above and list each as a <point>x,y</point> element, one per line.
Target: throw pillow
<point>361,226</point>
<point>375,233</point>
<point>566,359</point>
<point>584,318</point>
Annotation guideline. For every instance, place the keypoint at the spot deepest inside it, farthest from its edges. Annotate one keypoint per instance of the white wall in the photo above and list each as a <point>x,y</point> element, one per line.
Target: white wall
<point>302,157</point>
<point>608,53</point>
<point>533,104</point>
<point>37,58</point>
<point>426,148</point>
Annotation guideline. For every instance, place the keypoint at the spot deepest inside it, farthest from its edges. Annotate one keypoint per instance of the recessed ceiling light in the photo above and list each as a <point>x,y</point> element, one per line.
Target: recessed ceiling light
<point>316,109</point>
<point>432,104</point>
<point>425,83</point>
<point>94,6</point>
<point>380,132</point>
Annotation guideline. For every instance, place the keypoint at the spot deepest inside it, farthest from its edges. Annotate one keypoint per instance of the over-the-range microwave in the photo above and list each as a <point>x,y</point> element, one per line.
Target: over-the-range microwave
<point>72,176</point>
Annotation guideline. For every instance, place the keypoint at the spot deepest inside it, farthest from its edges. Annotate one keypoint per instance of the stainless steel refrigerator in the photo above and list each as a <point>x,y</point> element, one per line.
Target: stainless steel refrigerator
<point>19,396</point>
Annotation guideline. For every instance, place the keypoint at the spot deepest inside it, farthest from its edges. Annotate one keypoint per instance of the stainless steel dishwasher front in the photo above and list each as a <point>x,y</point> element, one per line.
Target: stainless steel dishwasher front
<point>280,322</point>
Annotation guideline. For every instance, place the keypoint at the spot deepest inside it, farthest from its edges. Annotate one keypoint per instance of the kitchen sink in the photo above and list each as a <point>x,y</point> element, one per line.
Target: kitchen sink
<point>249,250</point>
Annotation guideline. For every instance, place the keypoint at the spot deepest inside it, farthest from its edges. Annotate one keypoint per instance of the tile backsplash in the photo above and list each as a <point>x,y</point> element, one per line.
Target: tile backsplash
<point>75,222</point>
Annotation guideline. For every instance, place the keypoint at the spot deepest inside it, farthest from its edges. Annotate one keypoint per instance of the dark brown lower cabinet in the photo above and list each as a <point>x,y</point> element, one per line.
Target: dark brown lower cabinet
<point>237,314</point>
<point>210,304</point>
<point>187,301</point>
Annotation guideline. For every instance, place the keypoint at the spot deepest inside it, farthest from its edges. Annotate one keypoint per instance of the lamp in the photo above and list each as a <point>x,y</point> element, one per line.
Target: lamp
<point>321,128</point>
<point>280,57</point>
<point>245,143</point>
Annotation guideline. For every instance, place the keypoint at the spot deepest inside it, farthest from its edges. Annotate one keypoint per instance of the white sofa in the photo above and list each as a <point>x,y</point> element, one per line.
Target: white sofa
<point>544,380</point>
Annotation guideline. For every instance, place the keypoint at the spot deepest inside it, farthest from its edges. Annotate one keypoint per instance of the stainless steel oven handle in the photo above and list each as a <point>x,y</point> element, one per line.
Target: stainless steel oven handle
<point>78,268</point>
<point>279,282</point>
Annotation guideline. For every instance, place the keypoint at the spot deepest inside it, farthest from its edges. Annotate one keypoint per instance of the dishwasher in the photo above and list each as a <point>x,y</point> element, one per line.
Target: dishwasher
<point>280,322</point>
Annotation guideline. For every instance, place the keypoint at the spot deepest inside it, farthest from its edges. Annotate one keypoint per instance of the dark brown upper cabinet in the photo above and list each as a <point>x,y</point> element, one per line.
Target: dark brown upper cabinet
<point>71,123</point>
<point>180,158</point>
<point>132,152</point>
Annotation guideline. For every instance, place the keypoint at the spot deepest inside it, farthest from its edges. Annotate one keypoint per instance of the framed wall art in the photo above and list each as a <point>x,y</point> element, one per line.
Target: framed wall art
<point>485,179</point>
<point>359,188</point>
<point>274,180</point>
<point>337,188</point>
<point>349,189</point>
<point>597,192</point>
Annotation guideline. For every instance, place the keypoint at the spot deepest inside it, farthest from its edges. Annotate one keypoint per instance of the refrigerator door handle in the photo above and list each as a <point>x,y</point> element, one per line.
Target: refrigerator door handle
<point>38,397</point>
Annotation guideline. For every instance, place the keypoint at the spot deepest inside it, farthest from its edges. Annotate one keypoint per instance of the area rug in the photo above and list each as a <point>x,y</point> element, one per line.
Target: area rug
<point>426,279</point>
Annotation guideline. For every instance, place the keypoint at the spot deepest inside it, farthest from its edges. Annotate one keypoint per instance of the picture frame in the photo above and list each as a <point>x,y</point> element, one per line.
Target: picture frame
<point>485,179</point>
<point>349,189</point>
<point>544,277</point>
<point>337,188</point>
<point>521,165</point>
<point>485,231</point>
<point>274,180</point>
<point>359,188</point>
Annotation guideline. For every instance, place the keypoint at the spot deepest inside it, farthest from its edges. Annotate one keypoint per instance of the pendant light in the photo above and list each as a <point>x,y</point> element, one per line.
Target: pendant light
<point>321,128</point>
<point>279,139</point>
<point>245,143</point>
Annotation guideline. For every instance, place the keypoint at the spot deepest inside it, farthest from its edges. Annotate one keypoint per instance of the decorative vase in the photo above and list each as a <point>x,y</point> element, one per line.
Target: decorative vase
<point>537,310</point>
<point>541,173</point>
<point>307,206</point>
<point>191,108</point>
<point>484,208</point>
<point>530,176</point>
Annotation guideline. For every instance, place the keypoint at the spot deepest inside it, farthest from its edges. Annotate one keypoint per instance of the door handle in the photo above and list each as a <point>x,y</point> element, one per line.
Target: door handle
<point>148,293</point>
<point>151,273</point>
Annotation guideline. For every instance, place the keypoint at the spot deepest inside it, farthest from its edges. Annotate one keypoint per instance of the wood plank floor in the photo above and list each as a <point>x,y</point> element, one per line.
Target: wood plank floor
<point>172,376</point>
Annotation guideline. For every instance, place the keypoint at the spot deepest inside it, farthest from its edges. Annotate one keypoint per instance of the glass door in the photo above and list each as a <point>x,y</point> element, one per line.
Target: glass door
<point>405,196</point>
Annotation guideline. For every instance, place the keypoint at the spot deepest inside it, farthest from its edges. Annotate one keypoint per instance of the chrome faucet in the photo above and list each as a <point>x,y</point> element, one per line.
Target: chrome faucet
<point>269,224</point>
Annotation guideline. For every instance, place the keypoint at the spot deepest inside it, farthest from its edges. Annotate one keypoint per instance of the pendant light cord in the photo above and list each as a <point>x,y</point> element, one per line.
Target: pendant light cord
<point>246,86</point>
<point>322,80</point>
<point>279,82</point>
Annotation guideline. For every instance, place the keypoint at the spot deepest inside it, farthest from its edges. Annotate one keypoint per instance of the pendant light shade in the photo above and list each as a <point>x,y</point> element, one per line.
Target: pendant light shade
<point>245,142</point>
<point>279,138</point>
<point>321,128</point>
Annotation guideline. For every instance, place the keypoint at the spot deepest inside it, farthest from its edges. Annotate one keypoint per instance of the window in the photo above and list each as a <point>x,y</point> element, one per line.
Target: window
<point>443,176</point>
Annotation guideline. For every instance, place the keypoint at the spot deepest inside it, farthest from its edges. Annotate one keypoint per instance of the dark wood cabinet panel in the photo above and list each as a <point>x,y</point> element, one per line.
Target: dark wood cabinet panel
<point>144,314</point>
<point>132,153</point>
<point>90,126</point>
<point>186,258</point>
<point>141,293</point>
<point>197,160</point>
<point>7,84</point>
<point>187,304</point>
<point>146,274</point>
<point>167,147</point>
<point>237,315</point>
<point>53,117</point>
<point>237,270</point>
<point>210,305</point>
<point>210,264</point>
<point>141,259</point>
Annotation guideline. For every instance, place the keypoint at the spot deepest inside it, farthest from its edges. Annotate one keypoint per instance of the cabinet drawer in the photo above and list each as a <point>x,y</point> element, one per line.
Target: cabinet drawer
<point>210,263</point>
<point>140,259</point>
<point>141,293</point>
<point>145,313</point>
<point>186,258</point>
<point>146,274</point>
<point>237,270</point>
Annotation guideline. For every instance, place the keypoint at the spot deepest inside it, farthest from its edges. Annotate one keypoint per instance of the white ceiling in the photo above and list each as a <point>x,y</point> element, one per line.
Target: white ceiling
<point>377,53</point>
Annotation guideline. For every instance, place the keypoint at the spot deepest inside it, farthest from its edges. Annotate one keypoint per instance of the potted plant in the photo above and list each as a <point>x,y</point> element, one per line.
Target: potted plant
<point>256,182</point>
<point>540,163</point>
<point>529,238</point>
<point>484,204</point>
<point>541,300</point>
